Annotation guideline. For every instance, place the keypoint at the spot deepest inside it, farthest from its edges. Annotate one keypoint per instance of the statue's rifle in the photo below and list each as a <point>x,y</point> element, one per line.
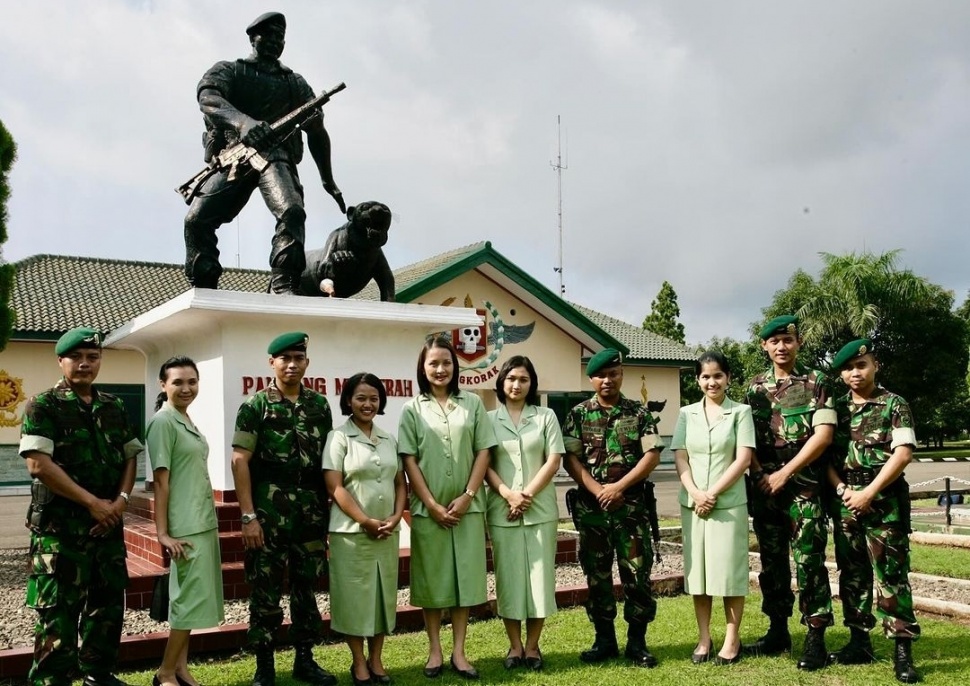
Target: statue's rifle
<point>240,158</point>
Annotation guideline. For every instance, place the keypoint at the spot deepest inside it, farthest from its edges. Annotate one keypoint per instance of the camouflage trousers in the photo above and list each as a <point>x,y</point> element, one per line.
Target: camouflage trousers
<point>294,539</point>
<point>793,520</point>
<point>77,585</point>
<point>875,546</point>
<point>625,533</point>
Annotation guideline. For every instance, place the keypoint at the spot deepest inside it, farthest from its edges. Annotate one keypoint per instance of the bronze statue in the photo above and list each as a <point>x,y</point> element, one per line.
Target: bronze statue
<point>239,101</point>
<point>352,256</point>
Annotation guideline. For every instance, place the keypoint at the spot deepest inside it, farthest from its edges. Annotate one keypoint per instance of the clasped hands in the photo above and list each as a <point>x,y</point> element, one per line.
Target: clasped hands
<point>610,497</point>
<point>379,529</point>
<point>519,502</point>
<point>858,502</point>
<point>704,502</point>
<point>450,516</point>
<point>107,514</point>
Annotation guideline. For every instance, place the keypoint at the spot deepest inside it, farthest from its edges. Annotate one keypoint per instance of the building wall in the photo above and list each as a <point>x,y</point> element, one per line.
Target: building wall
<point>31,367</point>
<point>551,349</point>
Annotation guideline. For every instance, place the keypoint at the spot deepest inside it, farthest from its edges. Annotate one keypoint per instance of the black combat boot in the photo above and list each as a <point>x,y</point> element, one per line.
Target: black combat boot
<point>306,669</point>
<point>284,282</point>
<point>265,666</point>
<point>776,641</point>
<point>604,646</point>
<point>813,654</point>
<point>636,646</point>
<point>858,651</point>
<point>903,661</point>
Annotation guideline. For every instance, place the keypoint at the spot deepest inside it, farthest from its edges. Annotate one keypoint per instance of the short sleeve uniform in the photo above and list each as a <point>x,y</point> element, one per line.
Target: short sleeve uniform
<point>716,546</point>
<point>195,584</point>
<point>363,571</point>
<point>447,565</point>
<point>524,549</point>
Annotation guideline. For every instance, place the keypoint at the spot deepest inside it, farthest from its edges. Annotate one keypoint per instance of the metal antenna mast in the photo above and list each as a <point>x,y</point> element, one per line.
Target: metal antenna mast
<point>559,167</point>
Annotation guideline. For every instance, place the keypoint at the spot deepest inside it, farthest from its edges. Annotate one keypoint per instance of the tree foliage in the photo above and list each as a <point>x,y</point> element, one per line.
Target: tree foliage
<point>664,312</point>
<point>8,153</point>
<point>921,343</point>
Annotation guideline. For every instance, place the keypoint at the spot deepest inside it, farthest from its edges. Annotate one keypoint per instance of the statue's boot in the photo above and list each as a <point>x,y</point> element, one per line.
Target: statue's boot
<point>284,282</point>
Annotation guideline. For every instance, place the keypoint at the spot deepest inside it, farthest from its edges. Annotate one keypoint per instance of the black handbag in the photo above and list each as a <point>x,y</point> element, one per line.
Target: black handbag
<point>159,607</point>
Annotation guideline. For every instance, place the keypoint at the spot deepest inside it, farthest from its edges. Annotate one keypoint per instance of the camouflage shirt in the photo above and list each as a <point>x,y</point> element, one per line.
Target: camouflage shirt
<point>91,443</point>
<point>867,434</point>
<point>286,438</point>
<point>786,411</point>
<point>609,441</point>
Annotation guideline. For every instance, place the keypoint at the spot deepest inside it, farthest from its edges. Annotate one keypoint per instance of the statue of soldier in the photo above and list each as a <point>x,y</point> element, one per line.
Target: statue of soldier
<point>612,446</point>
<point>81,451</point>
<point>277,450</point>
<point>239,100</point>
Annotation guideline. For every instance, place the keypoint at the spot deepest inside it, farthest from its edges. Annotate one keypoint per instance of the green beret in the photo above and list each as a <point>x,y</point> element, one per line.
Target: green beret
<point>268,18</point>
<point>609,357</point>
<point>849,351</point>
<point>787,323</point>
<point>294,340</point>
<point>80,337</point>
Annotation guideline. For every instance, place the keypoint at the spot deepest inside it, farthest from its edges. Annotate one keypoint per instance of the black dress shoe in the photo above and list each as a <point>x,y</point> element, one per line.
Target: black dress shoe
<point>471,673</point>
<point>433,672</point>
<point>701,658</point>
<point>512,661</point>
<point>721,661</point>
<point>534,663</point>
<point>377,678</point>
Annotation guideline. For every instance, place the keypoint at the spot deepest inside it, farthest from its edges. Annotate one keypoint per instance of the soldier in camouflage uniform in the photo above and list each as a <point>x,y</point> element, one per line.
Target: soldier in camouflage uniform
<point>794,419</point>
<point>611,447</point>
<point>874,443</point>
<point>276,464</point>
<point>80,450</point>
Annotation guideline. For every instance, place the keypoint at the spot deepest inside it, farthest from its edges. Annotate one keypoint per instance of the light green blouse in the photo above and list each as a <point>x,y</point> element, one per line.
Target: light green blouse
<point>712,448</point>
<point>520,453</point>
<point>369,466</point>
<point>444,442</point>
<point>174,444</point>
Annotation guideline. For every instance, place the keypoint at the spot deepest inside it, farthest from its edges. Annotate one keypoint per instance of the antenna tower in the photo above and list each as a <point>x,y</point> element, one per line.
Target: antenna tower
<point>559,167</point>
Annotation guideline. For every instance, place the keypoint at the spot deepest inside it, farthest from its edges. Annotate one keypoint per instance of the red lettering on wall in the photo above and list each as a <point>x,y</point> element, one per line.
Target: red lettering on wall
<point>248,383</point>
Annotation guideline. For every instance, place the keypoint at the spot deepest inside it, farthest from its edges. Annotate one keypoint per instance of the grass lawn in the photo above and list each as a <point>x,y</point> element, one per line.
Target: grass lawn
<point>929,559</point>
<point>941,656</point>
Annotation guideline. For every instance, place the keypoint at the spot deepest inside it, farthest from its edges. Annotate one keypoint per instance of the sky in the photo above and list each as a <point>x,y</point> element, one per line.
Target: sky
<point>719,146</point>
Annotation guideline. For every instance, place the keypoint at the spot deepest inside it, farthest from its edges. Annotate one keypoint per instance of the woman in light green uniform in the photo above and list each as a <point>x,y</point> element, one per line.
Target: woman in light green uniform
<point>522,508</point>
<point>363,475</point>
<point>713,444</point>
<point>444,439</point>
<point>185,517</point>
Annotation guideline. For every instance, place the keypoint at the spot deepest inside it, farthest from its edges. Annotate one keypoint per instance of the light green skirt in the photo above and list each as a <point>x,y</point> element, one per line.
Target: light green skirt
<point>525,570</point>
<point>195,584</point>
<point>363,584</point>
<point>716,552</point>
<point>448,565</point>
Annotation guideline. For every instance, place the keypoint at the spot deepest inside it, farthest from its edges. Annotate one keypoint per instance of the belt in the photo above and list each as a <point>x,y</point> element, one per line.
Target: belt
<point>860,477</point>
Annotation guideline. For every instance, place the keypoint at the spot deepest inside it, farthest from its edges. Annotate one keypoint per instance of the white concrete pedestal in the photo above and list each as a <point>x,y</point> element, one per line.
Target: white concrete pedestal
<point>227,332</point>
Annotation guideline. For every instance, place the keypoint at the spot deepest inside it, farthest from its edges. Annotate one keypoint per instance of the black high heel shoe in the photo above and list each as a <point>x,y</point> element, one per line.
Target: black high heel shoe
<point>722,661</point>
<point>377,678</point>
<point>701,658</point>
<point>471,673</point>
<point>359,682</point>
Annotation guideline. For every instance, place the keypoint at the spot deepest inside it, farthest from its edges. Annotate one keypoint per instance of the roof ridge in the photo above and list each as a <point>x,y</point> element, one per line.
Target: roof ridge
<point>471,247</point>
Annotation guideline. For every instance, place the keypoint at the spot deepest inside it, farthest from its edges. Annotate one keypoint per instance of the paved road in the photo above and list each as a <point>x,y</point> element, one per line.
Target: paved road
<point>13,508</point>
